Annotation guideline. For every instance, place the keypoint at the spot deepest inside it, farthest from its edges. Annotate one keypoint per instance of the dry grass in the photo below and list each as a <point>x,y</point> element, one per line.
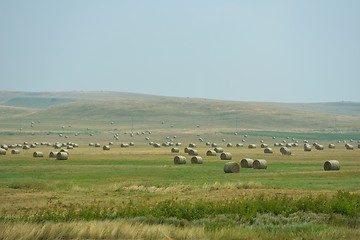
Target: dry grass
<point>122,229</point>
<point>97,230</point>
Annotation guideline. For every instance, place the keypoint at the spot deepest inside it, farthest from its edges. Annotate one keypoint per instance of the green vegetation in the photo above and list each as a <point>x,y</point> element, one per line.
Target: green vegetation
<point>240,211</point>
<point>138,192</point>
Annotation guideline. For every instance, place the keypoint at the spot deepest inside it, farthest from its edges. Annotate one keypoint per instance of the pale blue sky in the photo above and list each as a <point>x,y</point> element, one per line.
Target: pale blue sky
<point>278,51</point>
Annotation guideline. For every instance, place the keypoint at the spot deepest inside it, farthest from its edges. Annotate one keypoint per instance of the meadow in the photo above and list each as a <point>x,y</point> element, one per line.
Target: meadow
<point>138,192</point>
<point>113,193</point>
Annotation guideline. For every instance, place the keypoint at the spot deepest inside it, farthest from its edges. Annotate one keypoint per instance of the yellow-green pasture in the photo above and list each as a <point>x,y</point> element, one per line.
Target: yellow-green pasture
<point>143,175</point>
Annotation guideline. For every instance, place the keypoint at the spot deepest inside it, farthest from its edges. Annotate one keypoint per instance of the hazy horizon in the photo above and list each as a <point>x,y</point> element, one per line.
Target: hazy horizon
<point>264,51</point>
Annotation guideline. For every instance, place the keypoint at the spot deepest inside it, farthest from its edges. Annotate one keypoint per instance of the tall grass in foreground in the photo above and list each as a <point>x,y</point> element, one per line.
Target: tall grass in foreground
<point>122,229</point>
<point>342,208</point>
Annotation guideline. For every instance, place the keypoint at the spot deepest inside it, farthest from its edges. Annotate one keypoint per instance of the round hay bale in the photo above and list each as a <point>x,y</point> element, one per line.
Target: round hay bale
<point>38,154</point>
<point>207,143</point>
<point>26,147</point>
<point>252,146</point>
<point>4,146</point>
<point>91,144</point>
<point>246,163</point>
<point>179,160</point>
<point>64,150</point>
<point>156,145</point>
<point>331,146</point>
<point>349,146</point>
<point>165,144</point>
<point>33,145</point>
<point>330,165</point>
<point>62,156</point>
<point>276,144</point>
<point>106,147</point>
<point>218,150</point>
<point>289,145</point>
<point>53,154</point>
<point>307,147</point>
<point>57,146</point>
<point>319,147</point>
<point>211,153</point>
<point>178,144</point>
<point>285,151</point>
<point>192,145</point>
<point>124,145</point>
<point>263,145</point>
<point>15,151</point>
<point>268,150</point>
<point>131,144</point>
<point>231,167</point>
<point>2,151</point>
<point>196,160</point>
<point>193,152</point>
<point>70,147</point>
<point>239,145</point>
<point>225,156</point>
<point>97,145</point>
<point>223,140</point>
<point>187,149</point>
<point>229,145</point>
<point>214,145</point>
<point>175,150</point>
<point>260,164</point>
<point>359,145</point>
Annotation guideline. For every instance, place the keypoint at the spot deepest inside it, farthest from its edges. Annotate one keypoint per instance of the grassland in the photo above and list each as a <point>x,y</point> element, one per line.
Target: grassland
<point>140,187</point>
<point>138,192</point>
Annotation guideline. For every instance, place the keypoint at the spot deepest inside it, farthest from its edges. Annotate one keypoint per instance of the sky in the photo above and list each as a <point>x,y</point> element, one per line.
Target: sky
<point>245,50</point>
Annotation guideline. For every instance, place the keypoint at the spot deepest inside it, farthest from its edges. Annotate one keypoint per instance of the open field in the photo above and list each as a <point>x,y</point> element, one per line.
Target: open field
<point>97,185</point>
<point>138,192</point>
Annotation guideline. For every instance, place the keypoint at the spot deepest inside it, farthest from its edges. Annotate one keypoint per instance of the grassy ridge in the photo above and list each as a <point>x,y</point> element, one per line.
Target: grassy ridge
<point>166,113</point>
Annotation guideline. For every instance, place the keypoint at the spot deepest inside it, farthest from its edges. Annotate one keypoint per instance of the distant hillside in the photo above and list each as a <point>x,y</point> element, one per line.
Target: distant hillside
<point>127,110</point>
<point>337,108</point>
<point>46,99</point>
<point>190,113</point>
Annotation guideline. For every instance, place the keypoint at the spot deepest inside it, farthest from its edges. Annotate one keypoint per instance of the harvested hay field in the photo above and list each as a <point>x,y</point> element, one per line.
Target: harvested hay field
<point>108,189</point>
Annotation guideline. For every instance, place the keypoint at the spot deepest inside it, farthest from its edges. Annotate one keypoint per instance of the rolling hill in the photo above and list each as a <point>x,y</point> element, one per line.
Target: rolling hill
<point>98,109</point>
<point>46,99</point>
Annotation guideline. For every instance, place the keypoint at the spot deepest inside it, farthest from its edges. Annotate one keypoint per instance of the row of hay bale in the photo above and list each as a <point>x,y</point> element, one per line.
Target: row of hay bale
<point>61,155</point>
<point>107,147</point>
<point>52,154</point>
<point>68,145</point>
<point>234,167</point>
<point>182,160</point>
<point>227,145</point>
<point>164,144</point>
